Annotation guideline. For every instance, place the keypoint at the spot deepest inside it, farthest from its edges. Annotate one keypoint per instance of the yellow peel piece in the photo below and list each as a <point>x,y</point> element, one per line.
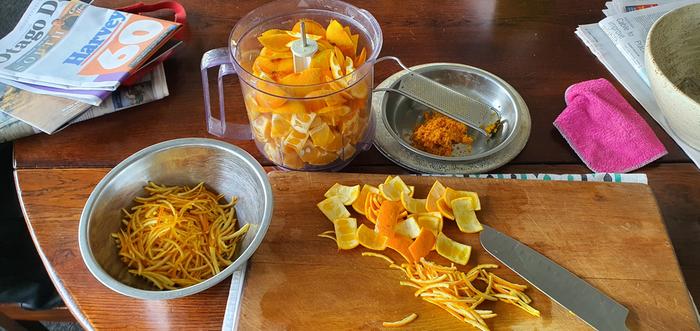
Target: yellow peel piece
<point>302,121</point>
<point>360,203</point>
<point>451,194</point>
<point>413,205</point>
<point>452,250</point>
<point>445,209</point>
<point>312,27</point>
<point>436,192</point>
<point>336,34</point>
<point>349,68</point>
<point>463,209</point>
<point>346,232</point>
<point>355,41</point>
<point>393,189</point>
<point>322,135</point>
<point>361,58</point>
<point>347,194</point>
<point>322,59</point>
<point>434,214</point>
<point>335,65</point>
<point>431,223</point>
<point>272,55</point>
<point>333,208</point>
<point>296,140</point>
<point>388,179</point>
<point>261,127</point>
<point>288,108</point>
<point>297,35</point>
<point>310,76</point>
<point>408,228</point>
<point>276,41</point>
<point>371,239</point>
<point>280,126</point>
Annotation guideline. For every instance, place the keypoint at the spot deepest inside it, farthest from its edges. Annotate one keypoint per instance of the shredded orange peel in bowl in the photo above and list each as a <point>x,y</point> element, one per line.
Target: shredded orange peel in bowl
<point>413,228</point>
<point>178,236</point>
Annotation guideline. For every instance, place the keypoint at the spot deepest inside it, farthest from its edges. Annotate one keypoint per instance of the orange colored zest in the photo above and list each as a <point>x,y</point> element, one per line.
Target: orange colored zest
<point>438,133</point>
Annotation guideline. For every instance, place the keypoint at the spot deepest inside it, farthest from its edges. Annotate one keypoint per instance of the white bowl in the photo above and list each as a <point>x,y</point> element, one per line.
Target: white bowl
<point>672,57</point>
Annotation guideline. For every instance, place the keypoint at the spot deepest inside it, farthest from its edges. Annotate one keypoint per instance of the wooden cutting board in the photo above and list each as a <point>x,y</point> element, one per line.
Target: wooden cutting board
<point>611,235</point>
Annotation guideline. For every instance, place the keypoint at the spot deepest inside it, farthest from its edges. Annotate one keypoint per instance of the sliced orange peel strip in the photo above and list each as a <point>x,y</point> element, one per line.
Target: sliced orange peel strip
<point>381,256</point>
<point>402,322</point>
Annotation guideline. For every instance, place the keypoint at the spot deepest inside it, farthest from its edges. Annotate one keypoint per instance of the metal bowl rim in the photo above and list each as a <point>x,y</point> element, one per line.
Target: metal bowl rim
<point>119,287</point>
<point>511,92</point>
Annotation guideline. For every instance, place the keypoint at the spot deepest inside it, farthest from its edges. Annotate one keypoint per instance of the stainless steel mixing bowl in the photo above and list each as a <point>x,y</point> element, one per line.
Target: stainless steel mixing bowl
<point>402,115</point>
<point>223,167</point>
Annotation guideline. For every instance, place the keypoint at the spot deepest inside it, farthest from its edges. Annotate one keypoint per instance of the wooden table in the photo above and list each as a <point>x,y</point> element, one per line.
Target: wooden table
<point>529,44</point>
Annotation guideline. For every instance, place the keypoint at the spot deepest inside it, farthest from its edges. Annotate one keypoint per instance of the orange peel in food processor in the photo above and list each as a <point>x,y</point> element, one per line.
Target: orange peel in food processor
<point>325,84</point>
<point>299,58</point>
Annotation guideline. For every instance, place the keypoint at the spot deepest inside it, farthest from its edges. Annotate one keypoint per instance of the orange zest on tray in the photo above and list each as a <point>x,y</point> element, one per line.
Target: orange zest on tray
<point>413,228</point>
<point>437,134</point>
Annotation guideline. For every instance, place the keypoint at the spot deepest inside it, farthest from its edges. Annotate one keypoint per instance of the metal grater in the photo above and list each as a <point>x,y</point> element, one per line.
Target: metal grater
<point>445,100</point>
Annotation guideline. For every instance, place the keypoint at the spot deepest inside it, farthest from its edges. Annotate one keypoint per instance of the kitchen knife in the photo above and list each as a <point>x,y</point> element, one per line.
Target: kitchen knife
<point>592,306</point>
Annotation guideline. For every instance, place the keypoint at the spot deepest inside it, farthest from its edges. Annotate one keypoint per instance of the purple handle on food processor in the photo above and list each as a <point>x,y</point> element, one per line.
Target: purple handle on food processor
<point>218,126</point>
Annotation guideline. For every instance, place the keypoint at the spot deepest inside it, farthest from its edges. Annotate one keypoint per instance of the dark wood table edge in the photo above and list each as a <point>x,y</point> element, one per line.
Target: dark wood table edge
<point>58,284</point>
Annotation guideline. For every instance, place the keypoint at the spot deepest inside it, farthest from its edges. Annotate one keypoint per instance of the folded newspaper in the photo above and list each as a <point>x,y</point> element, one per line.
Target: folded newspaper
<point>25,107</point>
<point>75,50</point>
<point>618,42</point>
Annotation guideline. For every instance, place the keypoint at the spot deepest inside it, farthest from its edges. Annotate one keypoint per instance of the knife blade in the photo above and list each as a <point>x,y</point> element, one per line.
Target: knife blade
<point>585,301</point>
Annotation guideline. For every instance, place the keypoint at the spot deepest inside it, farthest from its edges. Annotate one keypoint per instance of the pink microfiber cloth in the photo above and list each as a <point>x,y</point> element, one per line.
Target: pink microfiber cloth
<point>604,130</point>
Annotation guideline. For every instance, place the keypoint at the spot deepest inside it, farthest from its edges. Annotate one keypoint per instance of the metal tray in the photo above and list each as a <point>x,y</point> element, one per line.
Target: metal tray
<point>396,117</point>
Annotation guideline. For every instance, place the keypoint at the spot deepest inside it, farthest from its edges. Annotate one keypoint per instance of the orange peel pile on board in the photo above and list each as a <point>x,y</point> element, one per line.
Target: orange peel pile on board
<point>412,227</point>
<point>317,116</point>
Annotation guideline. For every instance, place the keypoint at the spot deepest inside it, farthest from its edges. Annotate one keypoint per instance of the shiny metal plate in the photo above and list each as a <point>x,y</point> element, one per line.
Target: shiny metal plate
<point>396,116</point>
